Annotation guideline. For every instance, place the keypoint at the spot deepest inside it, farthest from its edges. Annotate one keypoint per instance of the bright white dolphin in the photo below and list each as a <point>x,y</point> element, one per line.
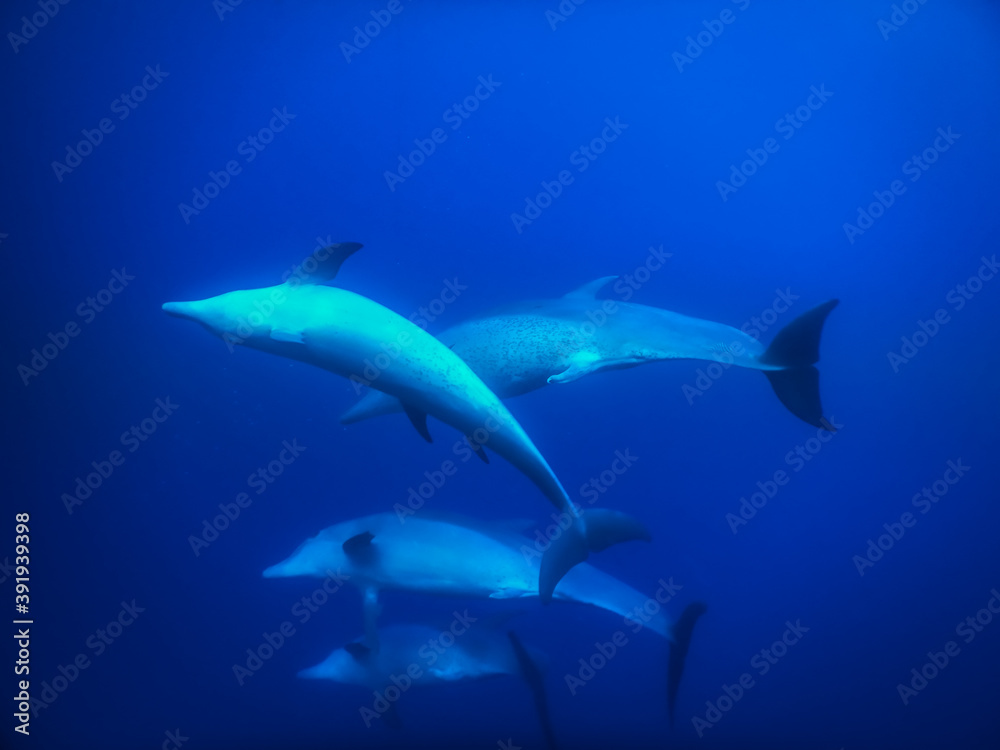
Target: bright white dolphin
<point>344,332</point>
<point>526,346</point>
<point>453,556</point>
<point>422,655</point>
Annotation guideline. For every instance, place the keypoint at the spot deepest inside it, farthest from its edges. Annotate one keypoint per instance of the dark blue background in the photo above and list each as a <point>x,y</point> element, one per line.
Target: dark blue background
<point>656,184</point>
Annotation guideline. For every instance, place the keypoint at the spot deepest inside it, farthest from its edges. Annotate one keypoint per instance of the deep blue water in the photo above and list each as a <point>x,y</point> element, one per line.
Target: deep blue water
<point>887,92</point>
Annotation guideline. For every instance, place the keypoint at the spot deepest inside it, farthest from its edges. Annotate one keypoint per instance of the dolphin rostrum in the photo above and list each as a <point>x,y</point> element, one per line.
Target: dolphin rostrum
<point>524,347</point>
<point>414,655</point>
<point>344,333</point>
<point>454,556</point>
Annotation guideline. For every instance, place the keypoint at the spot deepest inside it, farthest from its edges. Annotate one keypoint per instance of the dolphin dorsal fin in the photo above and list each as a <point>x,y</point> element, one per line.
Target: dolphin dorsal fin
<point>359,651</point>
<point>358,544</point>
<point>328,262</point>
<point>589,290</point>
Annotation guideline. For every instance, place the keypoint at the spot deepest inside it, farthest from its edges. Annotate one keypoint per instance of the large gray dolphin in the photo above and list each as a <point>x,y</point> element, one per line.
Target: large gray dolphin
<point>345,333</point>
<point>454,556</point>
<point>416,655</point>
<point>531,344</point>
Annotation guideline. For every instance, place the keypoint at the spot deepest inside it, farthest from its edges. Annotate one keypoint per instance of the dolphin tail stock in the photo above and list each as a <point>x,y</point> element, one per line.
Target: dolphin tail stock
<point>795,349</point>
<point>682,631</point>
<point>532,674</point>
<point>595,531</point>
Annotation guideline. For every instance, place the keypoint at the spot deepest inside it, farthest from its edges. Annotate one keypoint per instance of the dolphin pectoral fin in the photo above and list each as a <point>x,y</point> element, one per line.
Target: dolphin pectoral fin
<point>576,371</point>
<point>419,420</point>
<point>678,651</point>
<point>589,290</point>
<point>533,676</point>
<point>328,267</point>
<point>796,349</point>
<point>478,449</point>
<point>359,544</point>
<point>292,337</point>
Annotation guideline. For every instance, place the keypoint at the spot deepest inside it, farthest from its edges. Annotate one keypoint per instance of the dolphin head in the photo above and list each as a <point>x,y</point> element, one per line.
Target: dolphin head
<point>317,557</point>
<point>340,666</point>
<point>239,316</point>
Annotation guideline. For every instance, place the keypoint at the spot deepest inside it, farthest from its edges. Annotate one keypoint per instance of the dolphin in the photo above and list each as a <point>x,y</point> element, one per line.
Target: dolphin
<point>345,333</point>
<point>445,555</point>
<point>526,346</point>
<point>417,655</point>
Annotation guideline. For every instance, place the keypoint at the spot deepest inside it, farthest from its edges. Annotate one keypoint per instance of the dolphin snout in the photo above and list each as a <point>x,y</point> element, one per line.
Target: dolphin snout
<point>179,309</point>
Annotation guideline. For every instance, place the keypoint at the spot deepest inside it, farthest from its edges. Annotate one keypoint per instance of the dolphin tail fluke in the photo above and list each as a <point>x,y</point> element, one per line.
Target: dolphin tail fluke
<point>796,350</point>
<point>678,651</point>
<point>608,527</point>
<point>533,676</point>
<point>599,529</point>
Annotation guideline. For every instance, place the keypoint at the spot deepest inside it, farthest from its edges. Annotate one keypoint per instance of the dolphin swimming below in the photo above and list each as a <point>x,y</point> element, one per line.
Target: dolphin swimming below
<point>526,346</point>
<point>344,333</point>
<point>453,556</point>
<point>416,655</point>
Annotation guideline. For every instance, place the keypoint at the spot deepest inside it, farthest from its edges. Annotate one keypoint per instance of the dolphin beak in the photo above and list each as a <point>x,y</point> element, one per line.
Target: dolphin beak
<point>276,571</point>
<point>179,310</point>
